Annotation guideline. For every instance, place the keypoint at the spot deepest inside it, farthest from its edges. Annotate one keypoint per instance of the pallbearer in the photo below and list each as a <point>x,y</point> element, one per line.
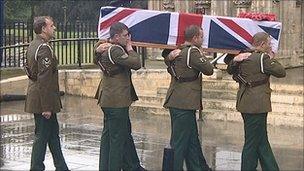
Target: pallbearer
<point>252,71</point>
<point>184,97</point>
<point>115,94</point>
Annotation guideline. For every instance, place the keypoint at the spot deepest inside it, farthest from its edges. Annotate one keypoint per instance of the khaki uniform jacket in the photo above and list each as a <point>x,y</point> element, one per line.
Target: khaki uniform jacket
<point>118,91</point>
<point>188,95</point>
<point>255,68</point>
<point>43,93</point>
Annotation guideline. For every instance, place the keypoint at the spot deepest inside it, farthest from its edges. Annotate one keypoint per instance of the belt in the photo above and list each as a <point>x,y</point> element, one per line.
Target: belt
<point>186,79</point>
<point>257,83</point>
<point>115,72</point>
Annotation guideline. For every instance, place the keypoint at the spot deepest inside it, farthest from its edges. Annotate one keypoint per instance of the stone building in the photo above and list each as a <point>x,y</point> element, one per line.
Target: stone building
<point>289,12</point>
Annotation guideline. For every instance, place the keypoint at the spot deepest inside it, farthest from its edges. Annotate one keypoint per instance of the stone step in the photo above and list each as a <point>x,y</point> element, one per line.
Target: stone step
<point>230,105</point>
<point>225,104</point>
<point>274,118</point>
<point>207,93</point>
<point>209,84</point>
<point>162,91</point>
<point>148,99</point>
<point>220,84</point>
<point>276,97</point>
<point>232,85</point>
<point>292,99</point>
<point>149,109</point>
<point>219,94</point>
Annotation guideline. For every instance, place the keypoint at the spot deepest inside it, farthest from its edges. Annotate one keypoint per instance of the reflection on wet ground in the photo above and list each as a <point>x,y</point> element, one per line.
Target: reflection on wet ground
<point>81,124</point>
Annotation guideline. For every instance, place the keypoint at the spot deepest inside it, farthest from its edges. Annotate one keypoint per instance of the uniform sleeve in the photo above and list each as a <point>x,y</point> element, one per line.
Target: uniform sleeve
<point>96,58</point>
<point>44,77</point>
<point>200,62</point>
<point>273,67</point>
<point>165,55</point>
<point>130,59</point>
<point>97,55</point>
<point>232,67</point>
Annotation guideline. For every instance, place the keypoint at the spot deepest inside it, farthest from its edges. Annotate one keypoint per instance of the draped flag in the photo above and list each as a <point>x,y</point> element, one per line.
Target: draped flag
<point>167,28</point>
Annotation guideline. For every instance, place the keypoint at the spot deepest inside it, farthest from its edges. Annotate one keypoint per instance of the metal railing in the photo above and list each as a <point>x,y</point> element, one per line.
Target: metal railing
<point>72,51</point>
<point>74,45</point>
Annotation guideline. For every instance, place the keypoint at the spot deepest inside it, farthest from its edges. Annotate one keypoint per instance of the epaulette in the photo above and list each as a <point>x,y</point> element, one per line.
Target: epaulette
<point>188,55</point>
<point>43,44</point>
<point>109,52</point>
<point>261,62</point>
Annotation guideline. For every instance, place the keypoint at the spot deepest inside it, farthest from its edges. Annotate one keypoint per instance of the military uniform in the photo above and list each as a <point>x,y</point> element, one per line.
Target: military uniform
<point>43,95</point>
<point>253,101</point>
<point>183,98</point>
<point>115,94</point>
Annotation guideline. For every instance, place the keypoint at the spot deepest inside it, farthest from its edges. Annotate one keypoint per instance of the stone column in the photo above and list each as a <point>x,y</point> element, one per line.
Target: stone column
<point>155,5</point>
<point>242,5</point>
<point>168,5</point>
<point>222,8</point>
<point>202,7</point>
<point>300,6</point>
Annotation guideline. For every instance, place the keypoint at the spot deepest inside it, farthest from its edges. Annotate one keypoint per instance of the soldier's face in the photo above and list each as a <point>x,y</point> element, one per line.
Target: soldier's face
<point>198,40</point>
<point>124,37</point>
<point>49,29</point>
<point>266,46</point>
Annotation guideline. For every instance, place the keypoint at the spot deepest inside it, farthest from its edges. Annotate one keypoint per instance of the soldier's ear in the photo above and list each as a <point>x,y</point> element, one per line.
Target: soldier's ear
<point>116,36</point>
<point>43,29</point>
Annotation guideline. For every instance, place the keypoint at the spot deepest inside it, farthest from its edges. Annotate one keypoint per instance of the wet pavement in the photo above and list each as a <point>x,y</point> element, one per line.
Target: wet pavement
<point>81,124</point>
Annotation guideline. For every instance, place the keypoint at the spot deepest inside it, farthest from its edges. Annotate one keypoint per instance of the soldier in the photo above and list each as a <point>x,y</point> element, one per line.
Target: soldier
<point>252,71</point>
<point>184,97</point>
<point>43,98</point>
<point>115,94</point>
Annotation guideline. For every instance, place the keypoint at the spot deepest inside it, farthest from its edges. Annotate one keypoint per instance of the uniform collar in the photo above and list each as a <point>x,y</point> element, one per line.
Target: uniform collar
<point>39,37</point>
<point>186,44</point>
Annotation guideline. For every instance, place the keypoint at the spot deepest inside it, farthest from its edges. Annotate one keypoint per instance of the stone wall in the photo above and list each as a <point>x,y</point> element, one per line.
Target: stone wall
<point>85,82</point>
<point>16,85</point>
<point>80,82</point>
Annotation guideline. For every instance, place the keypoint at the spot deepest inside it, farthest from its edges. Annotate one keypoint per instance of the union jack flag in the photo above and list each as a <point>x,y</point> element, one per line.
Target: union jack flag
<point>161,27</point>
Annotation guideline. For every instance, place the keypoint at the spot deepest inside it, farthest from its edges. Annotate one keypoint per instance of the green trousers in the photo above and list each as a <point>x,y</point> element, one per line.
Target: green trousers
<point>256,145</point>
<point>117,149</point>
<point>46,133</point>
<point>185,141</point>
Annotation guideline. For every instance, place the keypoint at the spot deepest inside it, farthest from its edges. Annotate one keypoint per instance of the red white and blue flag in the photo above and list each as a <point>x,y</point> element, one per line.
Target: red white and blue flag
<point>167,28</point>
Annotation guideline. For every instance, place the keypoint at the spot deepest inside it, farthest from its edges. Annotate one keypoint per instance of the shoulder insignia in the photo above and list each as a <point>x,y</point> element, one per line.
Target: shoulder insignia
<point>125,56</point>
<point>46,62</point>
<point>261,63</point>
<point>43,44</point>
<point>188,55</point>
<point>109,53</point>
<point>202,59</point>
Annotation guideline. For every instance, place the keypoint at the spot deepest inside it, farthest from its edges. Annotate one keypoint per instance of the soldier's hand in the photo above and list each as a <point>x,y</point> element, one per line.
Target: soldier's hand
<point>173,54</point>
<point>47,114</point>
<point>103,47</point>
<point>129,45</point>
<point>240,57</point>
<point>271,54</point>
